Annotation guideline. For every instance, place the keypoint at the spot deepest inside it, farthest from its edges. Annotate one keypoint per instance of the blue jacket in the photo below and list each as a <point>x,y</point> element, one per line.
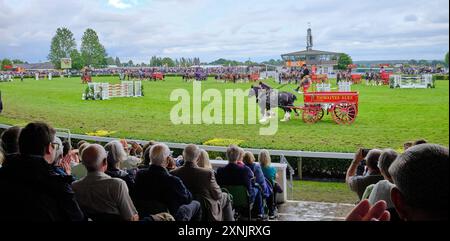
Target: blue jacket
<point>157,184</point>
<point>260,178</point>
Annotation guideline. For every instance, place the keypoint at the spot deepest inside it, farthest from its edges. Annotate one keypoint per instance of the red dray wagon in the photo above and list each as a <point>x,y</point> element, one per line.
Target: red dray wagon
<point>343,106</point>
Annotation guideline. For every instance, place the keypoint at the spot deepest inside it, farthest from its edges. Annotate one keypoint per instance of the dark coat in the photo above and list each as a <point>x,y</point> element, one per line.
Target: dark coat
<point>157,184</point>
<point>234,174</point>
<point>31,190</point>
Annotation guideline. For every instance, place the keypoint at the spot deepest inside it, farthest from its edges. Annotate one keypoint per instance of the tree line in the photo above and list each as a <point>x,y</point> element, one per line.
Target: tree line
<point>93,53</point>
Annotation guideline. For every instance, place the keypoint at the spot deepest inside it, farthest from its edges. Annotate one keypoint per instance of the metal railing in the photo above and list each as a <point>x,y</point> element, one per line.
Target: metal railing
<point>285,153</point>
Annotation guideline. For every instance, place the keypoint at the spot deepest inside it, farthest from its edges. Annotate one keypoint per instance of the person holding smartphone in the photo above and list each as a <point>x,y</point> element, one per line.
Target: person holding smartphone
<point>359,183</point>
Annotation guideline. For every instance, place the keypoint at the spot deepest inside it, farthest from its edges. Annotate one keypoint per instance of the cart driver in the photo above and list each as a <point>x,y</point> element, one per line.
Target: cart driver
<point>305,79</point>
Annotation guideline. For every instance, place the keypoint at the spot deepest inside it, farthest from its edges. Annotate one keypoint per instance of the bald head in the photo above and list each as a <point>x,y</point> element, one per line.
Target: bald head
<point>94,157</point>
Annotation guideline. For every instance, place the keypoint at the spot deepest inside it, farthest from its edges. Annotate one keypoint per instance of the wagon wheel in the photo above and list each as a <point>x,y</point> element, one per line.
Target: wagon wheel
<point>344,113</point>
<point>312,114</point>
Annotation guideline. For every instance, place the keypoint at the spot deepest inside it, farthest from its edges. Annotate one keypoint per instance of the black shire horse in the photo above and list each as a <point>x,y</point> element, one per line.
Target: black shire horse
<point>268,98</point>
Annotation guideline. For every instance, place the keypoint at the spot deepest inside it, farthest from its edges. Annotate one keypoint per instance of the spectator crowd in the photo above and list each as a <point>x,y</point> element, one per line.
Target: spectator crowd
<point>44,178</point>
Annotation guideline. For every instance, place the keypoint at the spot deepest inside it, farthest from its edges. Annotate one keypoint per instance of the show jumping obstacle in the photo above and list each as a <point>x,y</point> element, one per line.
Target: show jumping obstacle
<point>106,91</point>
<point>412,82</point>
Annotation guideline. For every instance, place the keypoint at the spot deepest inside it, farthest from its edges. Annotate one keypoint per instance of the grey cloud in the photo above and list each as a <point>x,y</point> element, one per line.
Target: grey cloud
<point>411,18</point>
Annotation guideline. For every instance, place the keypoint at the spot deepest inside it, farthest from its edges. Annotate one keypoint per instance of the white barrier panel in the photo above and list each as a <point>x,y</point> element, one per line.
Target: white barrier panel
<point>345,86</point>
<point>413,82</point>
<point>323,87</point>
<point>6,78</point>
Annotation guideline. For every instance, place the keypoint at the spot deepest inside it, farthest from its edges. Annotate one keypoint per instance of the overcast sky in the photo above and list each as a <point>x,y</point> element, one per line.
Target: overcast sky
<point>233,29</point>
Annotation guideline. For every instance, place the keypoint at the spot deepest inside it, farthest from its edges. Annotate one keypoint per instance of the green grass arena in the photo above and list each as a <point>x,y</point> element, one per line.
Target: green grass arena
<point>387,117</point>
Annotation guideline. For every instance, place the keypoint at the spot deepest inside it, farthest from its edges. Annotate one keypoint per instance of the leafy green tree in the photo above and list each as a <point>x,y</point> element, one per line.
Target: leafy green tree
<point>412,62</point>
<point>423,62</point>
<point>156,61</point>
<point>62,45</point>
<point>77,60</point>
<point>110,61</point>
<point>168,62</point>
<point>92,51</point>
<point>343,61</point>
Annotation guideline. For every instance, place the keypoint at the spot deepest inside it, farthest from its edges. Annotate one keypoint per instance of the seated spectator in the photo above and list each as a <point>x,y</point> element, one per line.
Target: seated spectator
<point>421,180</point>
<point>157,184</point>
<point>203,160</point>
<point>30,188</point>
<point>98,193</point>
<point>130,162</point>
<point>420,141</point>
<point>145,159</point>
<point>136,150</point>
<point>70,153</point>
<point>269,171</point>
<point>203,186</point>
<point>358,183</point>
<point>235,175</point>
<point>172,163</point>
<point>179,161</point>
<point>10,142</point>
<point>67,147</point>
<point>80,143</point>
<point>260,179</point>
<point>61,165</point>
<point>146,155</point>
<point>117,155</point>
<point>265,161</point>
<point>2,157</point>
<point>407,145</point>
<point>78,170</point>
<point>382,190</point>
